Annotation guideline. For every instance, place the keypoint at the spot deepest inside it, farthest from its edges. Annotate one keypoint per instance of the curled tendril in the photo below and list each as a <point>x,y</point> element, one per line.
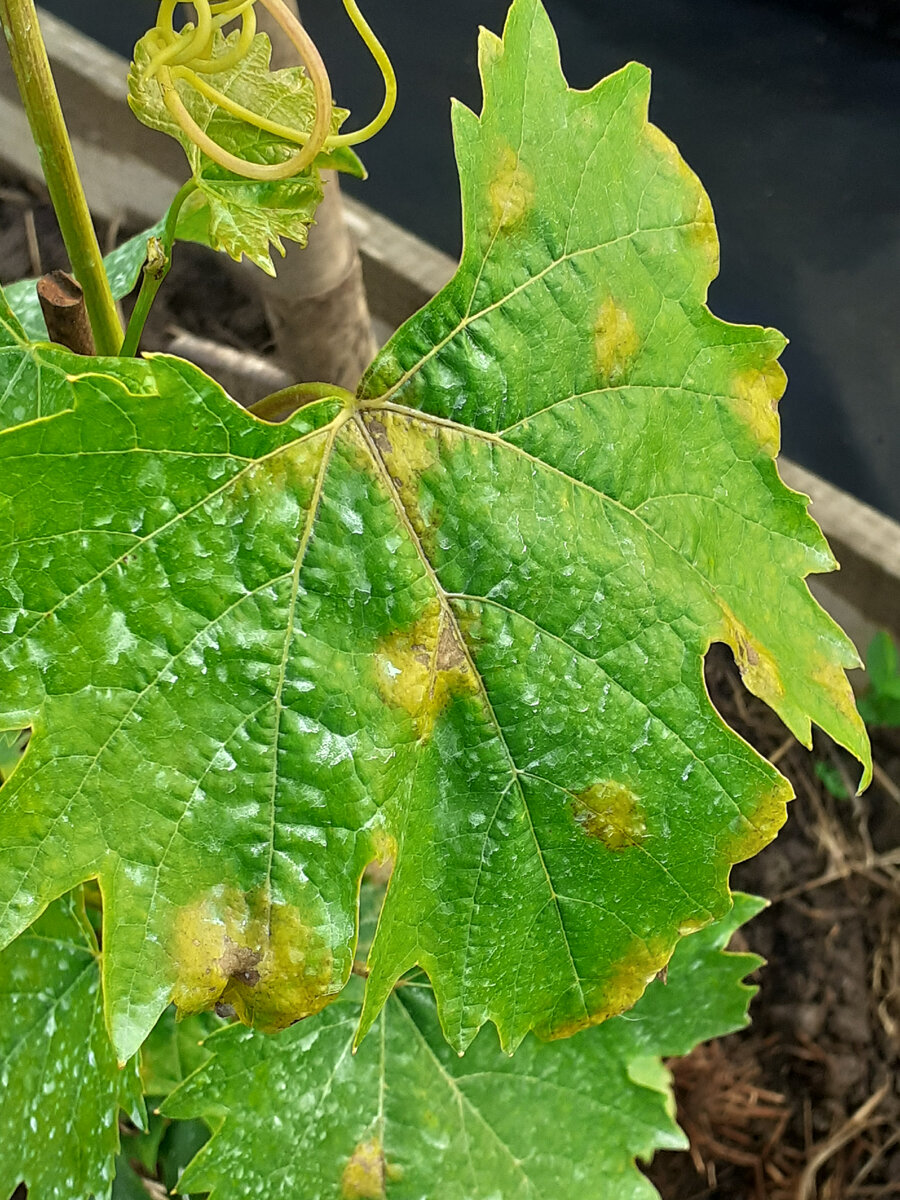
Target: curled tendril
<point>187,55</point>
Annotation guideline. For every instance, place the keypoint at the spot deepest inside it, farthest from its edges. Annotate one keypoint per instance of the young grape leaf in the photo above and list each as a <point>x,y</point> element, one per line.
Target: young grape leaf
<point>60,1084</point>
<point>123,270</point>
<point>299,1115</point>
<point>458,622</point>
<point>228,212</point>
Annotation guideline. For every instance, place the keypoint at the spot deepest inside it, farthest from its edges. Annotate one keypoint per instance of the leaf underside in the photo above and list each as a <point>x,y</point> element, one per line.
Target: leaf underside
<point>299,1115</point>
<point>458,623</point>
<point>60,1084</point>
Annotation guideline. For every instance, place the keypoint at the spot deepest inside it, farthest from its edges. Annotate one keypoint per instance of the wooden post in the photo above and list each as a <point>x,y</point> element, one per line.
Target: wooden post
<point>317,306</point>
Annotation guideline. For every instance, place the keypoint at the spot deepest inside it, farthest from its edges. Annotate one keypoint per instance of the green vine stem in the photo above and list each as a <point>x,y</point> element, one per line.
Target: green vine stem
<point>156,268</point>
<point>48,128</point>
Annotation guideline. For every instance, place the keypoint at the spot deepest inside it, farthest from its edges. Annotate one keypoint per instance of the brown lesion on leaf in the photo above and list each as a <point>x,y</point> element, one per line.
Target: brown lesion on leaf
<point>611,813</point>
<point>267,962</point>
<point>407,449</point>
<point>367,1172</point>
<point>421,668</point>
<point>757,666</point>
<point>755,393</point>
<point>511,191</point>
<point>616,342</point>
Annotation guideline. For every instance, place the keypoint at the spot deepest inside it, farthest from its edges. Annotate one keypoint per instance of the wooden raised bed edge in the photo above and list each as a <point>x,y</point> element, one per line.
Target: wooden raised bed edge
<point>131,173</point>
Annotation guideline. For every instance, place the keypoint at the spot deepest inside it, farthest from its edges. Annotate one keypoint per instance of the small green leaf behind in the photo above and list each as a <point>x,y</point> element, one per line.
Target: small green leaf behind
<point>228,212</point>
<point>123,270</point>
<point>174,1050</point>
<point>406,1117</point>
<point>880,704</point>
<point>60,1084</point>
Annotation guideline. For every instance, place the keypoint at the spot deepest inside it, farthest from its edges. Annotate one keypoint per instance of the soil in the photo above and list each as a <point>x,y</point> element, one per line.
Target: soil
<point>805,1103</point>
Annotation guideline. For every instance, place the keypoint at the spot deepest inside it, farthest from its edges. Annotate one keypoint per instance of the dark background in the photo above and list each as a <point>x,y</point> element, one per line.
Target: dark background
<point>788,111</point>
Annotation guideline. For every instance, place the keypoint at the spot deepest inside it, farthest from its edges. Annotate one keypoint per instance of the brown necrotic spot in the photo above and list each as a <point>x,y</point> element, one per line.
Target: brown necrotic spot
<point>616,342</point>
<point>757,666</point>
<point>363,1177</point>
<point>511,191</point>
<point>421,668</point>
<point>267,962</point>
<point>612,813</point>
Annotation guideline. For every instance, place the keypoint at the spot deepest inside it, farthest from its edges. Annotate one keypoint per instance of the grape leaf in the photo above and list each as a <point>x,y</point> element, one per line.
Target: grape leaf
<point>123,270</point>
<point>227,212</point>
<point>467,636</point>
<point>61,1086</point>
<point>174,1050</point>
<point>299,1115</point>
<point>36,377</point>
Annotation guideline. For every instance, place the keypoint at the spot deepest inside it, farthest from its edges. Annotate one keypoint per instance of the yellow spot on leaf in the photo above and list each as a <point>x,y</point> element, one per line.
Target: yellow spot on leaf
<point>611,813</point>
<point>511,192</point>
<point>364,1175</point>
<point>696,221</point>
<point>755,832</point>
<point>408,449</point>
<point>267,962</point>
<point>421,668</point>
<point>754,400</point>
<point>616,342</point>
<point>624,987</point>
<point>490,49</point>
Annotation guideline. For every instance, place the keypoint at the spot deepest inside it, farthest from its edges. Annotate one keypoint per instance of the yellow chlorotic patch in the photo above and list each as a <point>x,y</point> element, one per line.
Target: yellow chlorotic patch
<point>624,987</point>
<point>699,225</point>
<point>754,400</point>
<point>291,472</point>
<point>408,449</point>
<point>363,1177</point>
<point>490,50</point>
<point>421,668</point>
<point>267,962</point>
<point>762,825</point>
<point>616,342</point>
<point>611,813</point>
<point>511,191</point>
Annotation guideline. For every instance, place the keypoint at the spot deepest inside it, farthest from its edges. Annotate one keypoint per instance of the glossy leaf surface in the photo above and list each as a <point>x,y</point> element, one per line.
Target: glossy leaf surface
<point>60,1085</point>
<point>299,1115</point>
<point>242,216</point>
<point>458,622</point>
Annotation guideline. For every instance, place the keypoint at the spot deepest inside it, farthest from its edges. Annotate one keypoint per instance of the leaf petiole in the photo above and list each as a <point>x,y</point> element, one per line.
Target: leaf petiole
<point>159,262</point>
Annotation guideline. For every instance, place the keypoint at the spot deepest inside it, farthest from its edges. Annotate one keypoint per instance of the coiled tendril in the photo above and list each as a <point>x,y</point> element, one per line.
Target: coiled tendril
<point>188,55</point>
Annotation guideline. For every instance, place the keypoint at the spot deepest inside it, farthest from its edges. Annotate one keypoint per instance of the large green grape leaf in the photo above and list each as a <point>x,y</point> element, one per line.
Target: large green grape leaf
<point>299,1115</point>
<point>256,657</point>
<point>60,1085</point>
<point>243,216</point>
